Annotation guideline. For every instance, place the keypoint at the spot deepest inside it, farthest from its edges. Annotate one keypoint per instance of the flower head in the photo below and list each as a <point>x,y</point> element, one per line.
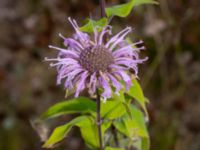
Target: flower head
<point>90,63</point>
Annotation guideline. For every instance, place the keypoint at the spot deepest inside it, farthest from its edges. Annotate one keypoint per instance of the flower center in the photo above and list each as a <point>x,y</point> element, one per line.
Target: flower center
<point>95,58</point>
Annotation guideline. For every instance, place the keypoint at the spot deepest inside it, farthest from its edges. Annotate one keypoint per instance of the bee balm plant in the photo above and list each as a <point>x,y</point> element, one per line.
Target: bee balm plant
<point>105,65</point>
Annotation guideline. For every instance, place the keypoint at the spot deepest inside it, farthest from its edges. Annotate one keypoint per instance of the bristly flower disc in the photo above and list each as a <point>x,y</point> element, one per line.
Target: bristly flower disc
<point>92,64</point>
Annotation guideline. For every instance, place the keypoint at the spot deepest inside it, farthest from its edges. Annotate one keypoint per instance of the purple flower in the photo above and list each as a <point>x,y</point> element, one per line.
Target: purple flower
<point>88,62</point>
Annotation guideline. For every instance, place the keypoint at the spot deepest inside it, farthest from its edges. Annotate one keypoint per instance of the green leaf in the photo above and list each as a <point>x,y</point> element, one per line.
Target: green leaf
<point>89,26</point>
<point>61,132</point>
<point>137,144</point>
<point>145,143</point>
<point>88,128</point>
<point>138,120</point>
<point>141,2</point>
<point>118,97</point>
<point>112,109</point>
<point>124,10</point>
<point>136,92</point>
<point>90,133</point>
<point>76,105</point>
<point>111,148</point>
<point>134,126</point>
<point>121,126</point>
<point>142,144</point>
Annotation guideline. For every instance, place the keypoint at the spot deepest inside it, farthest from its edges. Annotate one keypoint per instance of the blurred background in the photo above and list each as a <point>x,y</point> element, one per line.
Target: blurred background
<point>170,78</point>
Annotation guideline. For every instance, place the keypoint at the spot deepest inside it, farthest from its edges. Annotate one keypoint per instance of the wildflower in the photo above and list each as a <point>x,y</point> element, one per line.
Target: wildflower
<point>92,64</point>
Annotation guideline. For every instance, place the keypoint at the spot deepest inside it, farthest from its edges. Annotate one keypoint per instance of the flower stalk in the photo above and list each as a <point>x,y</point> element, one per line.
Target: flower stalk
<point>102,5</point>
<point>98,100</point>
<point>99,120</point>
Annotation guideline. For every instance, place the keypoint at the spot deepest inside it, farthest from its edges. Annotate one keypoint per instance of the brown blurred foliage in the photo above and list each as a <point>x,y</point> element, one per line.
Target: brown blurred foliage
<point>170,78</point>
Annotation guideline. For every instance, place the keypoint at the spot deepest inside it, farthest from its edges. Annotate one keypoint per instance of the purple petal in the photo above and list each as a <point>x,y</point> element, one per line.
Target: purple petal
<point>118,40</point>
<point>81,83</point>
<point>106,29</point>
<point>68,84</point>
<point>93,83</point>
<point>107,89</point>
<point>118,67</point>
<point>69,42</point>
<point>73,73</point>
<point>95,35</point>
<point>115,83</point>
<point>71,76</point>
<point>66,62</point>
<point>83,37</point>
<point>125,77</point>
<point>114,38</point>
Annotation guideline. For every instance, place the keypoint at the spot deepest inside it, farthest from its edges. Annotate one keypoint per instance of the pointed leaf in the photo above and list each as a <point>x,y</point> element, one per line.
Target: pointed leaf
<point>134,126</point>
<point>142,144</point>
<point>61,132</point>
<point>121,126</point>
<point>145,143</point>
<point>112,109</point>
<point>141,2</point>
<point>90,134</point>
<point>88,128</point>
<point>76,105</point>
<point>138,120</point>
<point>136,92</point>
<point>119,96</point>
<point>89,26</point>
<point>124,10</point>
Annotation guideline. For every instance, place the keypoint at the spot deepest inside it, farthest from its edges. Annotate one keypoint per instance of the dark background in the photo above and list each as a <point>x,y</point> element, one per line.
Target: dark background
<point>170,78</point>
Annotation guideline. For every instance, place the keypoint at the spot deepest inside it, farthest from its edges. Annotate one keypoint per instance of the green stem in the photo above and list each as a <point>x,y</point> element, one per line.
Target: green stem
<point>99,121</point>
